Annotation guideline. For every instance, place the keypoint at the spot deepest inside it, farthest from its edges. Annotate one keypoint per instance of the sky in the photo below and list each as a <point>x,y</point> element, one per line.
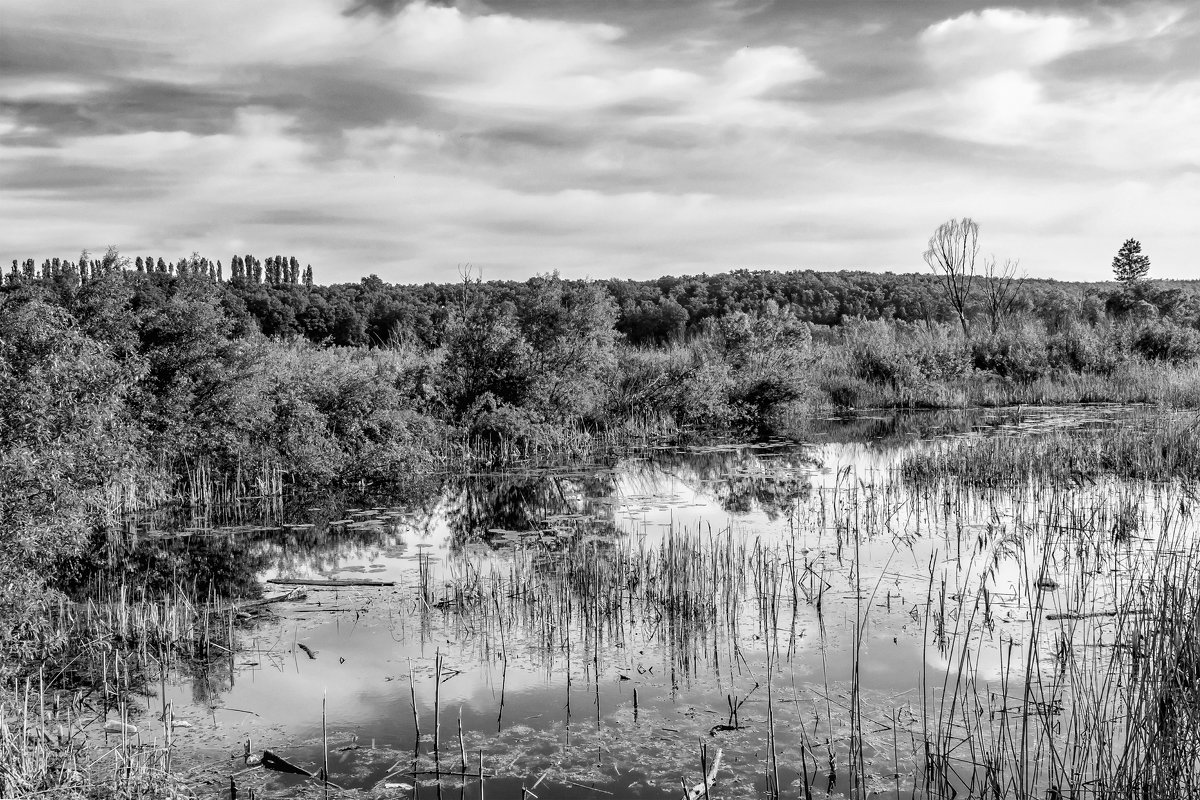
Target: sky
<point>623,138</point>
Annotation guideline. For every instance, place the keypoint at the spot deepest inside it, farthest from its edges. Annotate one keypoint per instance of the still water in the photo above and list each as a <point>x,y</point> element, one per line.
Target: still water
<point>794,610</point>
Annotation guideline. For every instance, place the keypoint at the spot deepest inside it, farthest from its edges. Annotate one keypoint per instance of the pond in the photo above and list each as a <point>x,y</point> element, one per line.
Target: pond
<point>791,619</point>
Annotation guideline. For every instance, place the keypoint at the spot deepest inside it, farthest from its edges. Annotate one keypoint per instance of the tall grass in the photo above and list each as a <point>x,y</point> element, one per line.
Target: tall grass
<point>83,725</point>
<point>1141,446</point>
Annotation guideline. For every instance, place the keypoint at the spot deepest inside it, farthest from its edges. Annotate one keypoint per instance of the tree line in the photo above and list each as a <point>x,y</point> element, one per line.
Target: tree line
<point>274,270</point>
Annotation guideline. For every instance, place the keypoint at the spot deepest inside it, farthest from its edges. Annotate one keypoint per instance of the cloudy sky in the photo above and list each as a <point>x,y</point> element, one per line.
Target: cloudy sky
<point>617,138</point>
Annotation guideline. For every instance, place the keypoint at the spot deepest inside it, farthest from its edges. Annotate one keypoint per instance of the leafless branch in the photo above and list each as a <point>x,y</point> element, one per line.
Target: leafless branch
<point>951,255</point>
<point>1002,287</point>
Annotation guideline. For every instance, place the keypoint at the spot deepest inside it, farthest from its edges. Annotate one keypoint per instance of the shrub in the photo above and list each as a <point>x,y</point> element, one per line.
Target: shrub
<point>1166,341</point>
<point>1017,354</point>
<point>1084,348</point>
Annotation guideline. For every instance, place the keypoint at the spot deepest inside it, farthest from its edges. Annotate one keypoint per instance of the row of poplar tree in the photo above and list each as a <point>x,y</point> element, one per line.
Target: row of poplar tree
<point>274,270</point>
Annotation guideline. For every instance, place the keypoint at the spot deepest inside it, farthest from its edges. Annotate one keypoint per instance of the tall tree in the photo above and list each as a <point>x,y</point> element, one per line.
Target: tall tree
<point>1129,265</point>
<point>951,255</point>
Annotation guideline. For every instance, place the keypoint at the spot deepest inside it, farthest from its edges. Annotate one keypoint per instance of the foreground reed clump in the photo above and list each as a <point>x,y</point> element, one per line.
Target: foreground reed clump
<point>85,724</point>
<point>57,749</point>
<point>1101,700</point>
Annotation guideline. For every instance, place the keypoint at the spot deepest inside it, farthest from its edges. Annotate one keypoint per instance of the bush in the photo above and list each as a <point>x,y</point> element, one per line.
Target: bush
<point>1165,341</point>
<point>1016,354</point>
<point>905,356</point>
<point>1087,349</point>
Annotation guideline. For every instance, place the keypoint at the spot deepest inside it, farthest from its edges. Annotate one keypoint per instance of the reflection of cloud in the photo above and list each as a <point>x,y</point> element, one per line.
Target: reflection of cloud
<point>596,138</point>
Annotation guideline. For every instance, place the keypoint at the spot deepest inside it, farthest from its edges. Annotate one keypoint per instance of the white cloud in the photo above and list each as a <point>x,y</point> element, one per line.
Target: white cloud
<point>990,84</point>
<point>755,71</point>
<point>1001,39</point>
<point>542,143</point>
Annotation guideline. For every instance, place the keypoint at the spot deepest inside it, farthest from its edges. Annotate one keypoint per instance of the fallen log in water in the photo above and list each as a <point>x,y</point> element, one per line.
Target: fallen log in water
<point>329,582</point>
<point>280,764</point>
<point>1095,614</point>
<point>701,789</point>
<point>290,594</point>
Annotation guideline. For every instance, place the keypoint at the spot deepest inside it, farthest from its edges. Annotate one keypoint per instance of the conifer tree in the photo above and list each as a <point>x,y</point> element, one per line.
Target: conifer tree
<point>1129,265</point>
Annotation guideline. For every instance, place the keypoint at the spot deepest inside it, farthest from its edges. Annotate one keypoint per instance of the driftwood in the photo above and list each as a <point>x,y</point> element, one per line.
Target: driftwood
<point>701,789</point>
<point>280,764</point>
<point>1095,614</point>
<point>290,594</point>
<point>329,582</point>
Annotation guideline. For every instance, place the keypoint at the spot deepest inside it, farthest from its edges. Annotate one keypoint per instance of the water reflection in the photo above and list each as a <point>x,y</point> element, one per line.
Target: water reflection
<point>596,620</point>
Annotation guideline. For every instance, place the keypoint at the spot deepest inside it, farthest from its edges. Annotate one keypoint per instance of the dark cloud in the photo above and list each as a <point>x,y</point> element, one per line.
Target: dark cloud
<point>132,106</point>
<point>1166,59</point>
<point>302,216</point>
<point>60,50</point>
<point>50,177</point>
<point>328,101</point>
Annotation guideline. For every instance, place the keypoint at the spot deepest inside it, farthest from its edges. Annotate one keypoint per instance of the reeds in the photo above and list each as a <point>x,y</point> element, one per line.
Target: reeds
<point>1143,446</point>
<point>78,728</point>
<point>53,745</point>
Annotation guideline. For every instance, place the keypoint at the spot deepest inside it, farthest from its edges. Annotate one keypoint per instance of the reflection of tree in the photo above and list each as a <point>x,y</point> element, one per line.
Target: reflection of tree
<point>209,679</point>
<point>199,566</point>
<point>476,504</point>
<point>221,551</point>
<point>741,479</point>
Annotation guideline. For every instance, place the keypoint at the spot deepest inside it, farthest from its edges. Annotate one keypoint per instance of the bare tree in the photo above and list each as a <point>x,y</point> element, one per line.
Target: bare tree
<point>1001,288</point>
<point>951,255</point>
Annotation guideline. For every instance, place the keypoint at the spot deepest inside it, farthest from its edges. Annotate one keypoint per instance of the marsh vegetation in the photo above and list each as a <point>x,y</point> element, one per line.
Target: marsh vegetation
<point>592,561</point>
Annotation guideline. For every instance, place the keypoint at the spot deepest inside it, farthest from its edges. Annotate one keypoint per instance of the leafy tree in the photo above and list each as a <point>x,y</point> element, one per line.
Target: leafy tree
<point>569,329</point>
<point>64,452</point>
<point>1129,264</point>
<point>485,353</point>
<point>113,260</point>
